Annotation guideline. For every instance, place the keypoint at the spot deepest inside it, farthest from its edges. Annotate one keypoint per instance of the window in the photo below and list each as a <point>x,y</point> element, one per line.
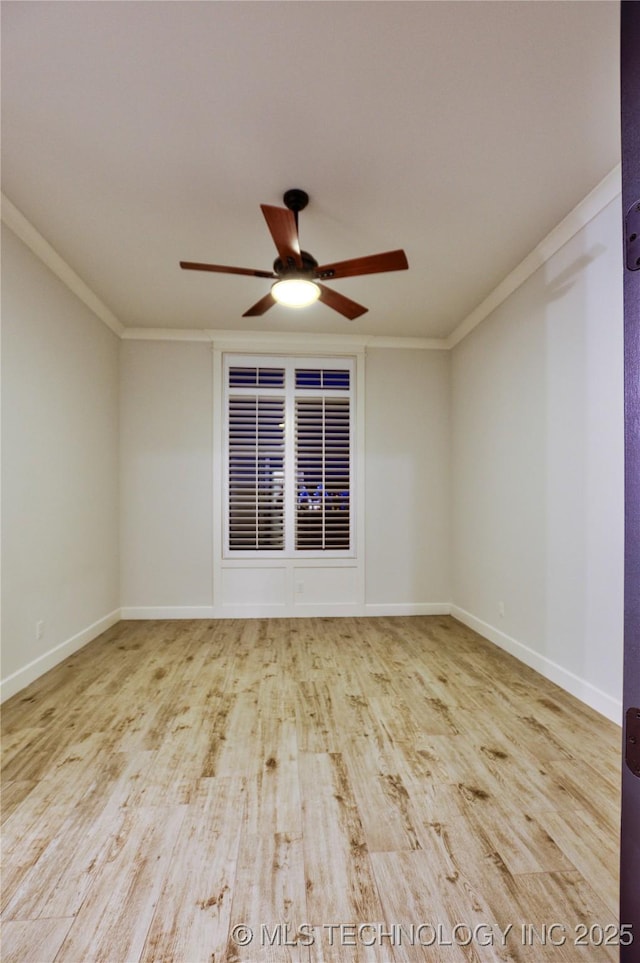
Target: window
<point>288,456</point>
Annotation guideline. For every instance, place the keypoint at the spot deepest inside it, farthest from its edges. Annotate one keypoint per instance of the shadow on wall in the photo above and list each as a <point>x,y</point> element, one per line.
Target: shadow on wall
<point>565,280</point>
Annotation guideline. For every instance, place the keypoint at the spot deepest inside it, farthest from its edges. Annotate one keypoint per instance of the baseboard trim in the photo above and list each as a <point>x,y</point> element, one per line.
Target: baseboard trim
<point>161,612</point>
<point>265,611</point>
<point>408,608</point>
<point>603,703</point>
<point>336,610</point>
<point>48,660</point>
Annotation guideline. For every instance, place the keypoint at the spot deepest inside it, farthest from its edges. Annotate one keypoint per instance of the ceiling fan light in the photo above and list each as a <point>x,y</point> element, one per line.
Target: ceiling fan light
<point>295,292</point>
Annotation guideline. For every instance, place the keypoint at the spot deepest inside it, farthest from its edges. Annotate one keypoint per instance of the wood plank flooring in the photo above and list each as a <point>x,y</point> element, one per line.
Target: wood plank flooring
<point>306,790</point>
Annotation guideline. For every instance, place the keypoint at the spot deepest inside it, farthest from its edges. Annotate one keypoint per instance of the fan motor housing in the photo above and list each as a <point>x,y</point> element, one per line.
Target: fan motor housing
<point>308,268</point>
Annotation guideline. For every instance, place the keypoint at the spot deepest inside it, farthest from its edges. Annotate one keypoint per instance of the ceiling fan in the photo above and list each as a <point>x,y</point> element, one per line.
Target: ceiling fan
<point>296,273</point>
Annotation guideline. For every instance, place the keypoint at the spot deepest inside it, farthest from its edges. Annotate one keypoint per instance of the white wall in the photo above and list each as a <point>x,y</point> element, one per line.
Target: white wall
<point>59,469</point>
<point>537,468</point>
<point>167,494</point>
<point>167,474</point>
<point>408,512</point>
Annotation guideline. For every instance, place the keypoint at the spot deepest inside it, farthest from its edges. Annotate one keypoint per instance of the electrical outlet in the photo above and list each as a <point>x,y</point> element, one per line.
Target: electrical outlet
<point>299,588</point>
<point>39,629</point>
<point>501,609</point>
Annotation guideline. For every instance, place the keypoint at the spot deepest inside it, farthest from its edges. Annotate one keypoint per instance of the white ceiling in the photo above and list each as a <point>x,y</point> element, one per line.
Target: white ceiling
<point>137,134</point>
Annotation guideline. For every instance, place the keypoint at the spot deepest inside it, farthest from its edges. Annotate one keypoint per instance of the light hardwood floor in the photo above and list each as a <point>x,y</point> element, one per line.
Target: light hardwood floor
<point>344,789</point>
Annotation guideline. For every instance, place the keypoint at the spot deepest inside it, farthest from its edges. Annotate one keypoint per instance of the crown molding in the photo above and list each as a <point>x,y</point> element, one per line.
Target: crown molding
<point>167,334</point>
<point>603,193</point>
<point>27,233</point>
<point>272,339</point>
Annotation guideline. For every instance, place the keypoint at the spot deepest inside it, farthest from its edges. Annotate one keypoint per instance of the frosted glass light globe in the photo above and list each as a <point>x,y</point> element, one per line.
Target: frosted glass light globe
<point>295,292</point>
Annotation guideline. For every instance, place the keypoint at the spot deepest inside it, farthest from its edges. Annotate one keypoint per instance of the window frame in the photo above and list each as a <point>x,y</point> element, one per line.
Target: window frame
<point>290,393</point>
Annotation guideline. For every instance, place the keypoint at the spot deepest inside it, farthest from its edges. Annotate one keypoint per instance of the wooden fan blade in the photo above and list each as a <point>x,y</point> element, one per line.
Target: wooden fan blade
<point>284,231</point>
<point>222,269</point>
<point>375,263</point>
<point>345,306</point>
<point>260,306</point>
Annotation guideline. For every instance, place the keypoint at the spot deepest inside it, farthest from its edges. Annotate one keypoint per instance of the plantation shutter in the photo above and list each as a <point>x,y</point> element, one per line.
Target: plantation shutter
<point>323,471</point>
<point>256,472</point>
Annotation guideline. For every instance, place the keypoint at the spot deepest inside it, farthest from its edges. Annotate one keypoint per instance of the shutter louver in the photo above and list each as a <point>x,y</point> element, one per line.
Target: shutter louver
<point>243,377</point>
